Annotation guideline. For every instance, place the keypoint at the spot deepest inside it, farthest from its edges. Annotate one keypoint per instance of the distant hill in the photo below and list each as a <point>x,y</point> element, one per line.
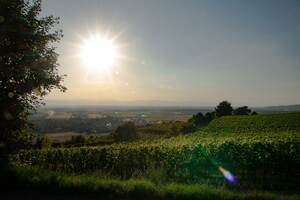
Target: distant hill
<point>153,105</point>
<point>286,108</point>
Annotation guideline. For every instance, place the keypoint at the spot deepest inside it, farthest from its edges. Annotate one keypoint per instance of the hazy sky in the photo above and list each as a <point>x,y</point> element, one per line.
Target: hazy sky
<point>187,52</point>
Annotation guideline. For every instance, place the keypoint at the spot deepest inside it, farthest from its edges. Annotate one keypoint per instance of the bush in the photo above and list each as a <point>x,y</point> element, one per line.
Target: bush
<point>197,121</point>
<point>244,110</point>
<point>126,132</point>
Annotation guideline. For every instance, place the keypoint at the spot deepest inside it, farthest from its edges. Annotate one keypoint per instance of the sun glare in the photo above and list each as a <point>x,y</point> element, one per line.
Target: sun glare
<point>99,53</point>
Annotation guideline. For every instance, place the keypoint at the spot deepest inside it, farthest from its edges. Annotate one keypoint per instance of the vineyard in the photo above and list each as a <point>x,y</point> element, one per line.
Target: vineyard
<point>263,152</point>
<point>257,123</point>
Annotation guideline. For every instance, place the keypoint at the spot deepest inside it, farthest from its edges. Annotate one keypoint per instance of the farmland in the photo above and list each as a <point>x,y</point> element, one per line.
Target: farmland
<point>261,151</point>
<point>259,123</point>
<point>166,100</point>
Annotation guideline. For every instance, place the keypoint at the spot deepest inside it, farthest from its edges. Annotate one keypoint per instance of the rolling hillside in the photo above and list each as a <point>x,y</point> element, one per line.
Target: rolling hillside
<point>256,123</point>
<point>266,158</point>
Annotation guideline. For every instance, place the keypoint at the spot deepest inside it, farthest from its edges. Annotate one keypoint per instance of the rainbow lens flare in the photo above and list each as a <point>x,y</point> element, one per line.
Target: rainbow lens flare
<point>228,175</point>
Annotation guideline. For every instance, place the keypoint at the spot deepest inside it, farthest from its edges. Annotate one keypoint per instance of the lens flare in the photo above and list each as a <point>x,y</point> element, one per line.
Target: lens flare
<point>228,175</point>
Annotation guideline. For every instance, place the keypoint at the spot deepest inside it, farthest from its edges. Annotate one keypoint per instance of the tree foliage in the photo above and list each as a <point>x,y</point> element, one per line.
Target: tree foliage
<point>126,132</point>
<point>198,120</point>
<point>28,65</point>
<point>244,110</point>
<point>254,113</point>
<point>224,108</point>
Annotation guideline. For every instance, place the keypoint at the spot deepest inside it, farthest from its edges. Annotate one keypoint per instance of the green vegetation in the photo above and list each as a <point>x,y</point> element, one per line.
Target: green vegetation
<point>198,120</point>
<point>261,156</point>
<point>170,128</point>
<point>257,152</point>
<point>87,187</point>
<point>244,110</point>
<point>126,132</point>
<point>256,123</point>
<point>223,109</point>
<point>28,66</point>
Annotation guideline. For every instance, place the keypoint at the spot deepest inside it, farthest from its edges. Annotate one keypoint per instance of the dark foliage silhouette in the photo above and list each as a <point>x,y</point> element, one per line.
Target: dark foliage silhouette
<point>126,132</point>
<point>224,108</point>
<point>244,110</point>
<point>28,66</point>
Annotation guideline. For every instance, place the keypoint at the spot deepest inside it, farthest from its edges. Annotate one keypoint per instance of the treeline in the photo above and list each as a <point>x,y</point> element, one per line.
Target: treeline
<point>224,108</point>
<point>129,131</point>
<point>44,142</point>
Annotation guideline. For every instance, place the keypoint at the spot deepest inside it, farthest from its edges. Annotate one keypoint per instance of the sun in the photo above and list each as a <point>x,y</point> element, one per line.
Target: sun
<point>99,53</point>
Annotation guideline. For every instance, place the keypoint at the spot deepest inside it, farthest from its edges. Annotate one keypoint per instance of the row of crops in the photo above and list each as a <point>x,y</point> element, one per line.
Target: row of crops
<point>261,160</point>
<point>257,123</point>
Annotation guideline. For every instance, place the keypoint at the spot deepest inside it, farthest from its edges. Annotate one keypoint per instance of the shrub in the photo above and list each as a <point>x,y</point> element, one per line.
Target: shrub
<point>126,132</point>
<point>244,110</point>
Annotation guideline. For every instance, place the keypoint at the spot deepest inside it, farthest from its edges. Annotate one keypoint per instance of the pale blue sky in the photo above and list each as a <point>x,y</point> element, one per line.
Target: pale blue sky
<point>188,52</point>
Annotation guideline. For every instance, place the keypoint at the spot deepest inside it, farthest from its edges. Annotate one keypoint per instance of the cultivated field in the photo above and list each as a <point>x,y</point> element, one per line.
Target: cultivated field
<point>261,152</point>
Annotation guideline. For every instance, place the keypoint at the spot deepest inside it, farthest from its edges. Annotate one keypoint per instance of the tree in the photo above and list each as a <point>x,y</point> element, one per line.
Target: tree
<point>200,120</point>
<point>126,132</point>
<point>197,119</point>
<point>244,110</point>
<point>209,116</point>
<point>224,108</point>
<point>28,65</point>
<point>254,113</point>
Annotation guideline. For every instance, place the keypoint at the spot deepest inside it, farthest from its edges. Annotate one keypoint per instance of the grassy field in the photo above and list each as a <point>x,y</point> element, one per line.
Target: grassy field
<point>262,152</point>
<point>54,185</point>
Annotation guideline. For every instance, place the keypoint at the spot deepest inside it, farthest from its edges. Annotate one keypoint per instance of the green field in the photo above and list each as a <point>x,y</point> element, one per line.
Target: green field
<point>262,152</point>
<point>257,123</point>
